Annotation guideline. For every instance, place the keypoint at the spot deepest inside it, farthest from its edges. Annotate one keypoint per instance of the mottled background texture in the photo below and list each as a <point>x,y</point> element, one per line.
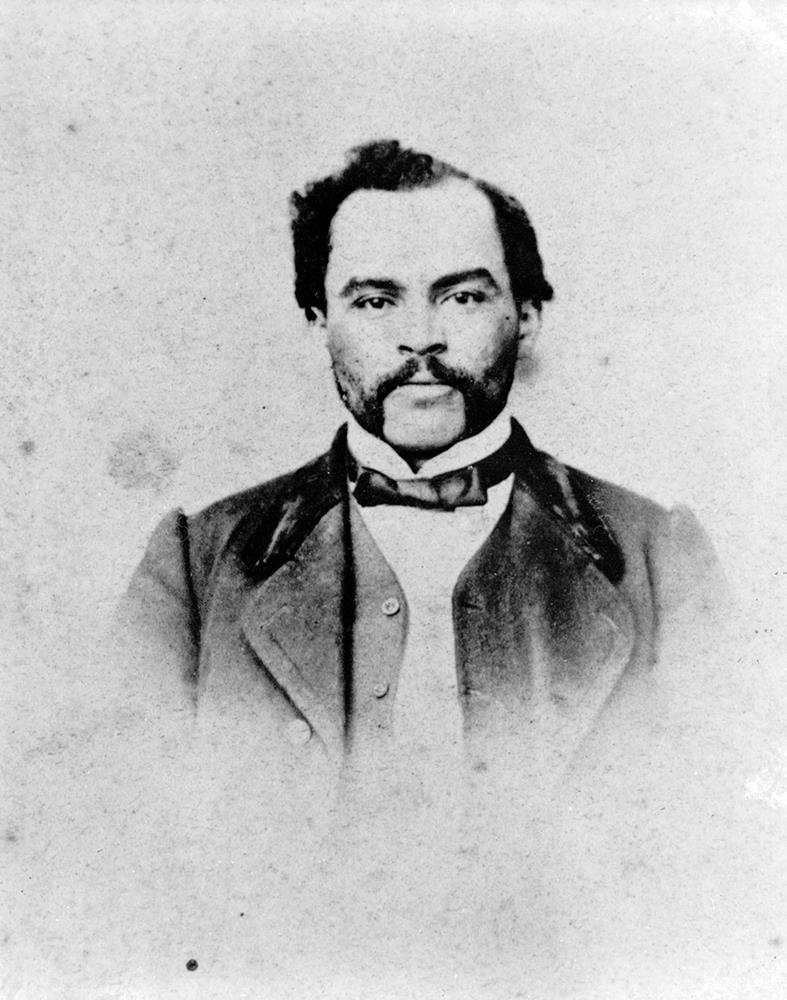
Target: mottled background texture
<point>152,351</point>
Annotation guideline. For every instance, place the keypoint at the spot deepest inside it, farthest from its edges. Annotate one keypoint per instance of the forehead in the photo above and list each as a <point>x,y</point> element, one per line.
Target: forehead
<point>409,234</point>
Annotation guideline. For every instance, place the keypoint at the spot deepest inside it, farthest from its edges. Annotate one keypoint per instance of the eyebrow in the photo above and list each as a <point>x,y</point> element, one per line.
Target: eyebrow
<point>380,284</point>
<point>355,285</point>
<point>459,277</point>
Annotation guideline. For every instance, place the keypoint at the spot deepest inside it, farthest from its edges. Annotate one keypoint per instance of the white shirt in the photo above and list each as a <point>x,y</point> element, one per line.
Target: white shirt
<point>427,550</point>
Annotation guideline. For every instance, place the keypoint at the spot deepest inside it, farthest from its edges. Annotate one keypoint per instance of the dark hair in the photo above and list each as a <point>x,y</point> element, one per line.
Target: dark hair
<point>386,166</point>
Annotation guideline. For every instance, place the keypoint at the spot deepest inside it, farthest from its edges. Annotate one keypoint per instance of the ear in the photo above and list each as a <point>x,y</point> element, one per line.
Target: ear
<point>316,318</point>
<point>529,327</point>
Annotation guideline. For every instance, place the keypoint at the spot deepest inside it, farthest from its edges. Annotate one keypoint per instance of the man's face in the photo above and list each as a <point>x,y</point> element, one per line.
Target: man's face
<point>421,325</point>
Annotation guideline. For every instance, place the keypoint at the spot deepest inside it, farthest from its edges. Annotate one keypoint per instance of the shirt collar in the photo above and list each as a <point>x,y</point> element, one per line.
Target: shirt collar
<point>374,453</point>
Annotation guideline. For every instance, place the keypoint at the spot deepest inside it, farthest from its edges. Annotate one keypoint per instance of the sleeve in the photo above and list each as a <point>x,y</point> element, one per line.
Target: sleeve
<point>727,731</point>
<point>699,654</point>
<point>158,620</point>
<point>690,588</point>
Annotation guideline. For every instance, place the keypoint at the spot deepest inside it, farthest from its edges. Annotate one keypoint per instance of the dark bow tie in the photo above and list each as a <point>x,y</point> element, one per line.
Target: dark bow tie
<point>465,487</point>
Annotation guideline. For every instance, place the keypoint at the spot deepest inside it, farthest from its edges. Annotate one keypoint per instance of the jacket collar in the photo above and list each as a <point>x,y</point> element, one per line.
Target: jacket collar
<point>556,489</point>
<point>269,540</point>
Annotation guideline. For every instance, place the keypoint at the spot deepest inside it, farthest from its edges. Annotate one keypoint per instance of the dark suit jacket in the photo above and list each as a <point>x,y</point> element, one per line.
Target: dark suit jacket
<point>584,597</point>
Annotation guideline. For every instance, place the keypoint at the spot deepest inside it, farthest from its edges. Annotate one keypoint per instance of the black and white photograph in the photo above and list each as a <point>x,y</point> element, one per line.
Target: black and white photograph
<point>394,505</point>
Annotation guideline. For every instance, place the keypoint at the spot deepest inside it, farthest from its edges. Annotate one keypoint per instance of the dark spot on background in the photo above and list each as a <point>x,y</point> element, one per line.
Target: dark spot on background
<point>776,942</point>
<point>138,460</point>
<point>11,836</point>
<point>192,964</point>
<point>28,446</point>
<point>71,127</point>
<point>604,361</point>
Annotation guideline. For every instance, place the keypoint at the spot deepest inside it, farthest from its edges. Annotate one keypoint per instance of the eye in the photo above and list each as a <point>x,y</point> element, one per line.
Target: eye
<point>374,302</point>
<point>466,297</point>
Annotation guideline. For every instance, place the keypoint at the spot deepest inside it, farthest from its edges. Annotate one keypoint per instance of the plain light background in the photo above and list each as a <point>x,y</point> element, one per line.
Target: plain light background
<point>153,354</point>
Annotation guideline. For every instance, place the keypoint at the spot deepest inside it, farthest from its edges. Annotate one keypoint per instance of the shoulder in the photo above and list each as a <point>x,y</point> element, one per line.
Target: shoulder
<point>627,513</point>
<point>265,499</point>
<point>610,523</point>
<point>179,568</point>
<point>249,521</point>
<point>677,555</point>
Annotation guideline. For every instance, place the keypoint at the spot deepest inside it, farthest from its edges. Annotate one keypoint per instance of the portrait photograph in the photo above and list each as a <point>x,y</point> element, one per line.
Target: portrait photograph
<point>394,510</point>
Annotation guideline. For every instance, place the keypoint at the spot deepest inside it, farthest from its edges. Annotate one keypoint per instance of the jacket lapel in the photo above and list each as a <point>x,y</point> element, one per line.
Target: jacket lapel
<point>293,616</point>
<point>294,622</point>
<point>543,635</point>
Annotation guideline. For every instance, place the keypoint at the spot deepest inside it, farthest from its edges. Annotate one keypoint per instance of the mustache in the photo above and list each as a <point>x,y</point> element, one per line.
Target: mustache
<point>440,372</point>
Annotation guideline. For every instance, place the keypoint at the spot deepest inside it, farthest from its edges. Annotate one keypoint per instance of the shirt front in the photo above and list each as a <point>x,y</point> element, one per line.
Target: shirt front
<point>427,549</point>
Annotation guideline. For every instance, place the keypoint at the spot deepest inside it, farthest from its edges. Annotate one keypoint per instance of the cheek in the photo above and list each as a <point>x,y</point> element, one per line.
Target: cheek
<point>350,357</point>
<point>342,346</point>
<point>487,343</point>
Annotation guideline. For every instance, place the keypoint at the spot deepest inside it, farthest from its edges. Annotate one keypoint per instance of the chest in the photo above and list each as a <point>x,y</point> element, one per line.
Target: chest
<point>541,640</point>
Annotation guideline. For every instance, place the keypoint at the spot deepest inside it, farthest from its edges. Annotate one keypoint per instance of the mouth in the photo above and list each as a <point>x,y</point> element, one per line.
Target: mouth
<point>423,392</point>
<point>426,385</point>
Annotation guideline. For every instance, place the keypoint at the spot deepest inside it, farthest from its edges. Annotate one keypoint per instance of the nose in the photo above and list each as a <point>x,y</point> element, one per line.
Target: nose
<point>422,334</point>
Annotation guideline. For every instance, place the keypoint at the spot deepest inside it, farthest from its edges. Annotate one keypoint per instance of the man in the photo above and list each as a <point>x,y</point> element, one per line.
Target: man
<point>434,596</point>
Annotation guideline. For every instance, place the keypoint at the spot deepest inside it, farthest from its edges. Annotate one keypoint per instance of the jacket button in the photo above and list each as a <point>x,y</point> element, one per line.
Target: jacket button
<point>390,606</point>
<point>380,690</point>
<point>299,732</point>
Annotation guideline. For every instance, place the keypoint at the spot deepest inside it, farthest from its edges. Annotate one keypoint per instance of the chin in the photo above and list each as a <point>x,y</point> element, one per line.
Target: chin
<point>424,430</point>
<point>423,443</point>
